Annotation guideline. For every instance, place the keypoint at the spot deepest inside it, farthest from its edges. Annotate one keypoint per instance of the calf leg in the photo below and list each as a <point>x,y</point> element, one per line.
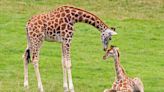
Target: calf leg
<point>138,84</point>
<point>110,90</point>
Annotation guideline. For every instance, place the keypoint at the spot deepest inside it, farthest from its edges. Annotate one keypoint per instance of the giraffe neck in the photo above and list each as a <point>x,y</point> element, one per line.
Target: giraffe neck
<point>74,15</point>
<point>119,69</point>
<point>90,19</point>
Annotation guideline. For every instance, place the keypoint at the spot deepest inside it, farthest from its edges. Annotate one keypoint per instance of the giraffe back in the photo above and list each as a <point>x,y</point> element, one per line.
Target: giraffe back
<point>57,25</point>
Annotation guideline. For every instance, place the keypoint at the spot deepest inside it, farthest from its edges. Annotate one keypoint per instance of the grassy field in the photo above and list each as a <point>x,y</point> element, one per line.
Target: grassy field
<point>140,27</point>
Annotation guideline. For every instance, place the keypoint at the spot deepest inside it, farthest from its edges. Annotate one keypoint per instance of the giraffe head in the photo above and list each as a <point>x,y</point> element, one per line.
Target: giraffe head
<point>113,51</point>
<point>106,36</point>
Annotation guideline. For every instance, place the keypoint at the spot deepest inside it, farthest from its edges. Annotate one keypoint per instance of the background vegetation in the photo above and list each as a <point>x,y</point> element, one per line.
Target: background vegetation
<point>140,27</point>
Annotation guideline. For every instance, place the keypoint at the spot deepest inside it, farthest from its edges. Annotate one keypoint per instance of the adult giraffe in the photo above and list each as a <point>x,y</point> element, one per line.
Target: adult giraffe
<point>57,25</point>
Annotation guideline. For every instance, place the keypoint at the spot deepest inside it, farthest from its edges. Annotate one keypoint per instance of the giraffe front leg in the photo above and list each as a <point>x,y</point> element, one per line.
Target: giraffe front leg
<point>68,65</point>
<point>71,87</point>
<point>65,82</point>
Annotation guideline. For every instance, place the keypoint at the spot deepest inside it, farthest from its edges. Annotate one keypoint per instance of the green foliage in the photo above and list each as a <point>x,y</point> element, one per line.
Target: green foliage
<point>140,27</point>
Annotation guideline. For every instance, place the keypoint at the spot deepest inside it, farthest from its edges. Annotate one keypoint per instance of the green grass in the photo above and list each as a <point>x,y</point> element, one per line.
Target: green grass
<point>140,27</point>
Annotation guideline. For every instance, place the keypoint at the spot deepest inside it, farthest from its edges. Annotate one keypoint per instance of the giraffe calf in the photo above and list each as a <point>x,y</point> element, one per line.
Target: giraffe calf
<point>122,83</point>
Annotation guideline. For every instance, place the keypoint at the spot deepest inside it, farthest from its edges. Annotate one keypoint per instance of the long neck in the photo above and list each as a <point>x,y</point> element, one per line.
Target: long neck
<point>119,70</point>
<point>79,15</point>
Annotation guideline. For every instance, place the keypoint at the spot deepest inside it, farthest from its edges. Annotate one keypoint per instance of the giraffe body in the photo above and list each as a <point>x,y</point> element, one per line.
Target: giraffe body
<point>123,83</point>
<point>57,26</point>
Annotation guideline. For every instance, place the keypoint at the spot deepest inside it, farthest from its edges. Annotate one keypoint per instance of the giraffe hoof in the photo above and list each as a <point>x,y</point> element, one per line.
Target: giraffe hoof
<point>72,90</point>
<point>26,86</point>
<point>66,89</point>
<point>40,90</point>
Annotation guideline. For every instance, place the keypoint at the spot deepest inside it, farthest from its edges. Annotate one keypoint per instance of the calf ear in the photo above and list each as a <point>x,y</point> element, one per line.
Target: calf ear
<point>113,28</point>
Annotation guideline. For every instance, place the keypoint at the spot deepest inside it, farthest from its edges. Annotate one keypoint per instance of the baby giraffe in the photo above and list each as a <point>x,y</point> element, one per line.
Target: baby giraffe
<point>122,83</point>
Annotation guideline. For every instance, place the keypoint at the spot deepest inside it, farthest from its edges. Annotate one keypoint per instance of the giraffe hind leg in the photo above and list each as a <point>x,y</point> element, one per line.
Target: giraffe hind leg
<point>26,58</point>
<point>35,47</point>
<point>35,41</point>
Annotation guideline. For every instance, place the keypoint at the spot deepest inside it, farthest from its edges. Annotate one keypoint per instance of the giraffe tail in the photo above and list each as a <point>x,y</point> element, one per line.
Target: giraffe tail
<point>27,55</point>
<point>27,51</point>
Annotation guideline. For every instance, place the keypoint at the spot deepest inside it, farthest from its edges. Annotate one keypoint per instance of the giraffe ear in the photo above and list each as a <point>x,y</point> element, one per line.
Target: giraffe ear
<point>118,52</point>
<point>113,28</point>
